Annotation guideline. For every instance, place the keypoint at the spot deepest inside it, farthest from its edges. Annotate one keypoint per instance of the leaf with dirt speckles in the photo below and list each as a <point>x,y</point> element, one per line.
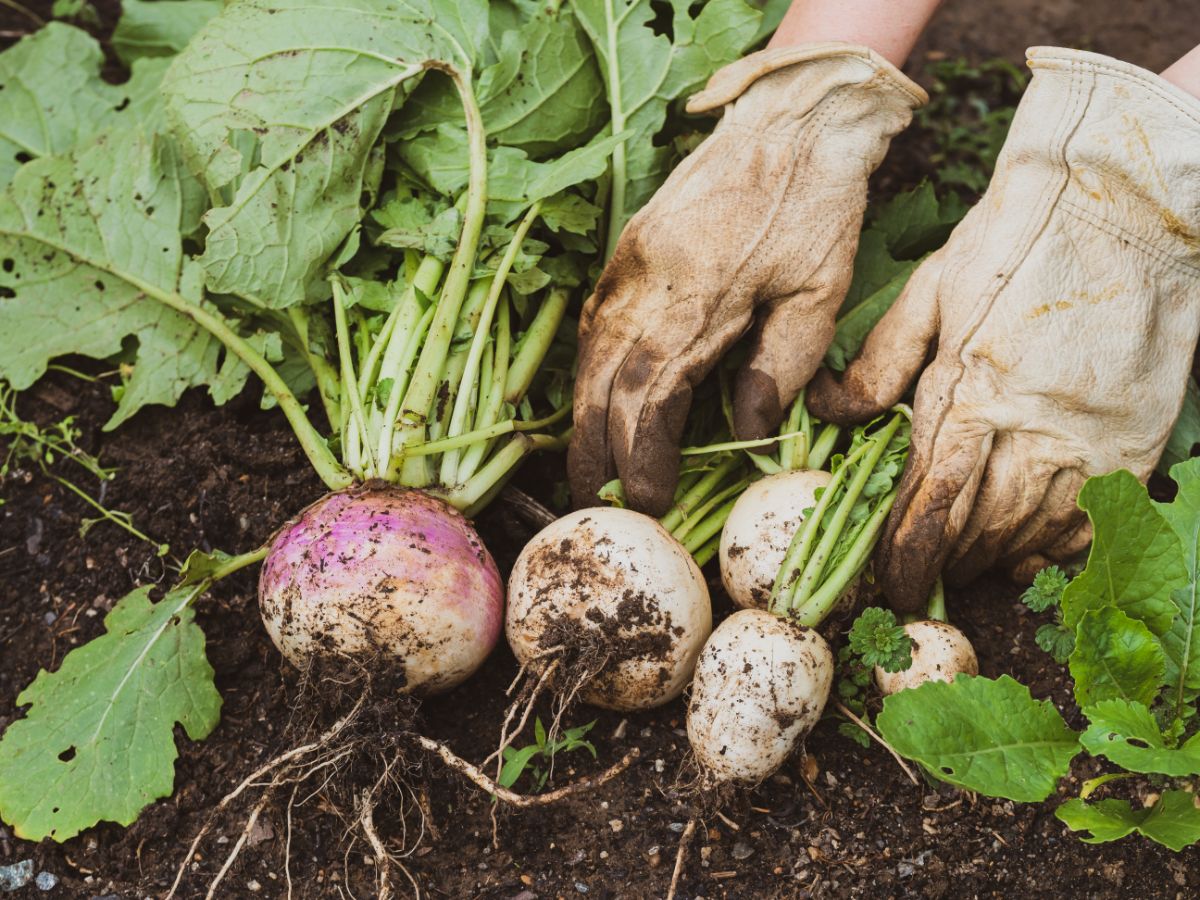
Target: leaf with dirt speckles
<point>159,28</point>
<point>98,741</point>
<point>1174,821</point>
<point>279,112</point>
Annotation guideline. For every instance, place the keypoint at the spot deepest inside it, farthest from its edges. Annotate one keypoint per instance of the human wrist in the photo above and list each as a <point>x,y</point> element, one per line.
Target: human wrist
<point>1186,73</point>
<point>889,27</point>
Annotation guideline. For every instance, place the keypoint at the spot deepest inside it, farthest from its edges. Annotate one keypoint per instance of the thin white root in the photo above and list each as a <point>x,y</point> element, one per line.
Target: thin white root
<point>506,738</point>
<point>383,859</point>
<point>474,774</point>
<point>681,854</point>
<point>880,741</point>
<point>238,845</point>
<point>249,780</point>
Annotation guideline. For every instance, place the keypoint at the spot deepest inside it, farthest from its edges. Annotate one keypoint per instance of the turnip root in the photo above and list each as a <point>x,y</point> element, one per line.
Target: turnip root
<point>380,572</point>
<point>619,599</point>
<point>939,652</point>
<point>760,685</point>
<point>760,529</point>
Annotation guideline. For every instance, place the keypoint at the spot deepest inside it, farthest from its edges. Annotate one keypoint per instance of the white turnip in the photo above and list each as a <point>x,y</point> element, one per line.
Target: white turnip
<point>939,652</point>
<point>760,529</point>
<point>619,600</point>
<point>383,573</point>
<point>760,685</point>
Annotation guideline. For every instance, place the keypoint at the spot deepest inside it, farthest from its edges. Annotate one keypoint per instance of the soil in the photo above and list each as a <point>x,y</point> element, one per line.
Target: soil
<point>842,821</point>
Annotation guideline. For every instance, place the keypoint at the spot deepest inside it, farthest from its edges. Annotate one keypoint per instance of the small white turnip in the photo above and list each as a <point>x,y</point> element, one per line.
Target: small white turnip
<point>939,652</point>
<point>761,684</point>
<point>618,598</point>
<point>760,529</point>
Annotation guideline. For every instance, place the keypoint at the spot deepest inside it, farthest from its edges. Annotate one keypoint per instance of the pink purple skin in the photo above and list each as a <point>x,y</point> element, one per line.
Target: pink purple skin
<point>413,575</point>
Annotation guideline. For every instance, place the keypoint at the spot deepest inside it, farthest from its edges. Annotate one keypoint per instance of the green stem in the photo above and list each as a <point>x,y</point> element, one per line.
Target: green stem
<point>616,105</point>
<point>710,527</point>
<point>361,440</point>
<point>707,552</point>
<point>793,451</point>
<point>697,495</point>
<point>698,517</point>
<point>877,445</point>
<point>535,343</point>
<point>328,386</point>
<point>423,386</point>
<point>493,405</point>
<point>819,452</point>
<point>936,611</point>
<point>108,515</point>
<point>483,334</point>
<point>819,605</point>
<point>466,495</point>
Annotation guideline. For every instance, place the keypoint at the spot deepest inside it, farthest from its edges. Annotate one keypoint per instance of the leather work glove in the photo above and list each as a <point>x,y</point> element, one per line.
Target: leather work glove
<point>760,222</point>
<point>1065,308</point>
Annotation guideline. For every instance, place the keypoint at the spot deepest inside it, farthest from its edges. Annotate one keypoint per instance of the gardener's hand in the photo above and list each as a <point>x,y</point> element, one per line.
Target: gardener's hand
<point>1065,308</point>
<point>758,226</point>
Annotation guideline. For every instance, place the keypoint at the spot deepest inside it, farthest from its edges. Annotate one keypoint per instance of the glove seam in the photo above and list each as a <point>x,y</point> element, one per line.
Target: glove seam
<point>1152,250</point>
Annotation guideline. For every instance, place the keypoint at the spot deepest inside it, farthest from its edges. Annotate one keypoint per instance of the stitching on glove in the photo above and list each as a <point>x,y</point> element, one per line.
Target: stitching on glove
<point>1112,71</point>
<point>1155,252</point>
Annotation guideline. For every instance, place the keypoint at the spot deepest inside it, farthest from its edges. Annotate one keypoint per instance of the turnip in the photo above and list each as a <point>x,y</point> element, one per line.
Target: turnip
<point>384,573</point>
<point>939,651</point>
<point>619,598</point>
<point>764,677</point>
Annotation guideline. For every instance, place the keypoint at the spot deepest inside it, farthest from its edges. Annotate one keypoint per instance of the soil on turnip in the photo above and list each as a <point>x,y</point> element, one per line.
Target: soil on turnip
<point>843,821</point>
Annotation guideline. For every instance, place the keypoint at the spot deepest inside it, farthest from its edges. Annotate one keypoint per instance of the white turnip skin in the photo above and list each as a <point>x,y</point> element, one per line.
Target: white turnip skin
<point>378,573</point>
<point>939,652</point>
<point>759,531</point>
<point>617,581</point>
<point>761,684</point>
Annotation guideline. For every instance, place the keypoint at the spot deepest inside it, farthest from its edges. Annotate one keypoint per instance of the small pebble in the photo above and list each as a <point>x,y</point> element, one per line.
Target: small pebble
<point>660,765</point>
<point>676,827</point>
<point>50,618</point>
<point>619,732</point>
<point>581,887</point>
<point>526,895</point>
<point>616,825</point>
<point>742,850</point>
<point>46,881</point>
<point>654,856</point>
<point>16,876</point>
<point>253,886</point>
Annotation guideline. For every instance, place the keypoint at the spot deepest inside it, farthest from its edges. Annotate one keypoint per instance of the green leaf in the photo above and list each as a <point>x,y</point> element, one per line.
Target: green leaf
<point>160,28</point>
<point>880,640</point>
<point>571,213</point>
<point>1115,657</point>
<point>1181,641</point>
<point>98,742</point>
<point>856,322</point>
<point>1126,733</point>
<point>88,240</point>
<point>646,71</point>
<point>52,98</point>
<point>1135,562</point>
<point>1047,589</point>
<point>515,763</point>
<point>1186,433</point>
<point>1057,640</point>
<point>1173,821</point>
<point>916,222</point>
<point>985,735</point>
<point>279,105</point>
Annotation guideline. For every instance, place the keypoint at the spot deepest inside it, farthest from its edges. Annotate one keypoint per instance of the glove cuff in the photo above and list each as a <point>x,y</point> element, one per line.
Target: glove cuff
<point>868,67</point>
<point>1129,141</point>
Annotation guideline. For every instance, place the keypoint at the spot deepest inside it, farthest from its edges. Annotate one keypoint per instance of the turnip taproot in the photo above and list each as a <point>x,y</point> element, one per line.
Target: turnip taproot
<point>618,598</point>
<point>384,573</point>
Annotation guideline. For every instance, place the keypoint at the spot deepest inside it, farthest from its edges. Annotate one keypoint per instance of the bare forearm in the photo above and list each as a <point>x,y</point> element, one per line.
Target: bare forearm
<point>1185,73</point>
<point>889,27</point>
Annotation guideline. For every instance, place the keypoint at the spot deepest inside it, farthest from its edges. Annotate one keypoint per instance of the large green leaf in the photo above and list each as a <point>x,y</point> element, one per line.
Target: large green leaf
<point>52,98</point>
<point>279,104</point>
<point>985,735</point>
<point>1126,733</point>
<point>1136,561</point>
<point>100,730</point>
<point>87,241</point>
<point>1181,641</point>
<point>159,28</point>
<point>646,71</point>
<point>1173,821</point>
<point>1115,657</point>
<point>1186,433</point>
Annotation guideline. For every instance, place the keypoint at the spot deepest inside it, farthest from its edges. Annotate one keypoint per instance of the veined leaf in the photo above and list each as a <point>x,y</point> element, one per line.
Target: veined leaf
<point>1136,561</point>
<point>985,735</point>
<point>160,28</point>
<point>1173,821</point>
<point>87,241</point>
<point>278,106</point>
<point>1127,734</point>
<point>644,72</point>
<point>100,730</point>
<point>1115,657</point>
<point>52,98</point>
<point>1186,433</point>
<point>1181,641</point>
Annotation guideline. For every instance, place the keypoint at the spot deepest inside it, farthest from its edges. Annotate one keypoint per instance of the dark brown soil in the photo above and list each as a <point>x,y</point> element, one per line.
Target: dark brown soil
<point>199,477</point>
